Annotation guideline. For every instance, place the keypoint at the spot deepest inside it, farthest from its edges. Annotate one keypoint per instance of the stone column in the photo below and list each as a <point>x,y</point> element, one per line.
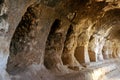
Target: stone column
<point>4,43</point>
<point>55,44</point>
<point>68,56</point>
<point>114,54</point>
<point>95,48</point>
<point>107,49</point>
<point>10,15</point>
<point>81,52</point>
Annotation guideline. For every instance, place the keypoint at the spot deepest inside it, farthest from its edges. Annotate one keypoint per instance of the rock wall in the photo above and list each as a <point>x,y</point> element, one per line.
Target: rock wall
<point>59,40</point>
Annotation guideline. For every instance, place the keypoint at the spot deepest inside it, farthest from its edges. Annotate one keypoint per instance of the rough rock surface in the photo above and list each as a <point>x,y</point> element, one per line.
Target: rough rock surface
<point>59,39</point>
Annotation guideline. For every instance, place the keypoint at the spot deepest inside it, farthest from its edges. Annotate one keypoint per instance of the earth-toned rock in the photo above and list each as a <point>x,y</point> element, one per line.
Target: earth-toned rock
<point>59,39</point>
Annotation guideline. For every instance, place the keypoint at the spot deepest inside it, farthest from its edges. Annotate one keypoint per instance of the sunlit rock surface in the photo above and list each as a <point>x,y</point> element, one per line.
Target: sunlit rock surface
<point>59,39</point>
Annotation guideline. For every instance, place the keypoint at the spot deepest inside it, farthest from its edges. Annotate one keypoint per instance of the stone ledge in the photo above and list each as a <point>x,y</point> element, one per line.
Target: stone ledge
<point>99,72</point>
<point>96,64</point>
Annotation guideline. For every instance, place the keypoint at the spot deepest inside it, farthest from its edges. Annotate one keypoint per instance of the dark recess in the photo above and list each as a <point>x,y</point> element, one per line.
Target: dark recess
<point>49,46</point>
<point>1,1</point>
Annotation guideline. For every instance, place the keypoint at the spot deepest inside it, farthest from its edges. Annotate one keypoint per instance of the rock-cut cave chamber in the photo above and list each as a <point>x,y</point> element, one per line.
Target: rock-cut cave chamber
<point>59,39</point>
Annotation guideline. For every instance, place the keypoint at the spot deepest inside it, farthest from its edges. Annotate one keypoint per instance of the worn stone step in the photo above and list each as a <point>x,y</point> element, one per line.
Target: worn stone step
<point>100,63</point>
<point>95,73</point>
<point>113,75</point>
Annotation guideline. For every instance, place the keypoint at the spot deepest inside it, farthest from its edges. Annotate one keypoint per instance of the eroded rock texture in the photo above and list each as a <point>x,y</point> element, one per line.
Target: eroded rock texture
<point>59,39</point>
